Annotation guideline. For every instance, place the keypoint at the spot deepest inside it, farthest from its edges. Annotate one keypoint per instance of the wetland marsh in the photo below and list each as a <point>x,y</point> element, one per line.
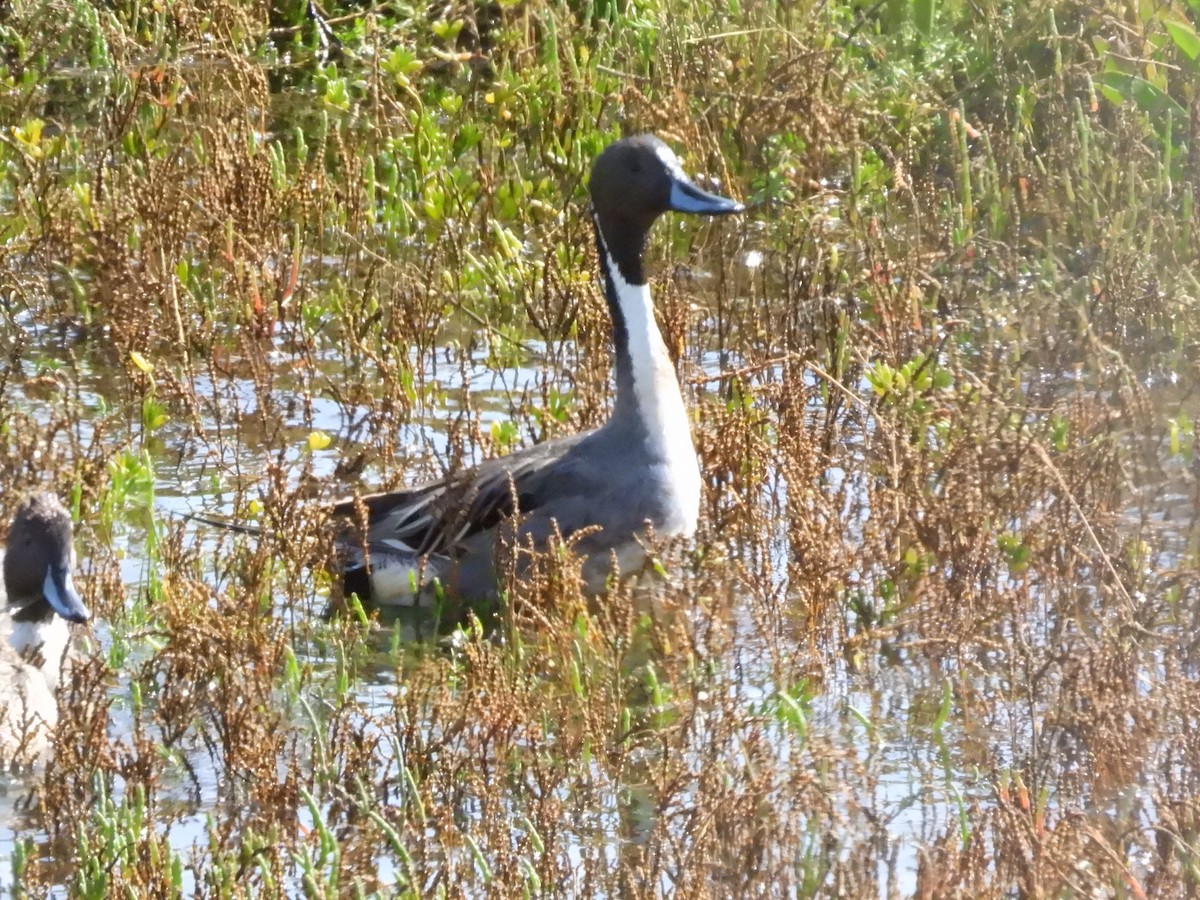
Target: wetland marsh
<point>936,634</point>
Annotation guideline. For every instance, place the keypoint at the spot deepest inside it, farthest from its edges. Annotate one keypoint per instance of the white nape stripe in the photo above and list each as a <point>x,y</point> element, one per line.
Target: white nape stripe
<point>659,401</point>
<point>668,158</point>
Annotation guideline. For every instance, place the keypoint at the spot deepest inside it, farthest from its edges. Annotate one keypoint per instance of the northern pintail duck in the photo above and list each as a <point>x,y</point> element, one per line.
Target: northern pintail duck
<point>606,486</point>
<point>39,600</point>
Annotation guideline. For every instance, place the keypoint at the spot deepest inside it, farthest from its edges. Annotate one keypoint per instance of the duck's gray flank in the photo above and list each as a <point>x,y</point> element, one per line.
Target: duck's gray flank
<point>39,601</point>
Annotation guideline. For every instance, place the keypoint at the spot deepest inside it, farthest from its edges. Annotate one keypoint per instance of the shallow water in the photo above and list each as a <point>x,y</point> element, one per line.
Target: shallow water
<point>879,713</point>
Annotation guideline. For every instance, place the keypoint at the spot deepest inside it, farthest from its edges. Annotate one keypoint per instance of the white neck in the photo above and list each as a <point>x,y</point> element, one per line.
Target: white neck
<point>45,640</point>
<point>658,399</point>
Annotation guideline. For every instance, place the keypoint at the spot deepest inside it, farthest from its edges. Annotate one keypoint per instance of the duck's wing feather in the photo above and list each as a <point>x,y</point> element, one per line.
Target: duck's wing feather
<point>434,518</point>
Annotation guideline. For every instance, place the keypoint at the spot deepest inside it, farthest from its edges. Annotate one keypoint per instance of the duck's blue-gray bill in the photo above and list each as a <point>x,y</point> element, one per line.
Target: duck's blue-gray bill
<point>686,197</point>
<point>60,593</point>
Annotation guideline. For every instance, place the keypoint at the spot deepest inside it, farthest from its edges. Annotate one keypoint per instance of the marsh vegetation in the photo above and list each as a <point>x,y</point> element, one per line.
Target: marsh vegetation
<point>936,634</point>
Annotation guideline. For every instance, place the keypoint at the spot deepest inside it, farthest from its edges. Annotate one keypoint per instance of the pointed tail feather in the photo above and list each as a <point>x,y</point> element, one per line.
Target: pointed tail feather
<point>235,527</point>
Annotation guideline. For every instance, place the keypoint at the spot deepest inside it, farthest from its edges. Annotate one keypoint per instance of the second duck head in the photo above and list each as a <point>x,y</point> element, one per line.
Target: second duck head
<point>38,561</point>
